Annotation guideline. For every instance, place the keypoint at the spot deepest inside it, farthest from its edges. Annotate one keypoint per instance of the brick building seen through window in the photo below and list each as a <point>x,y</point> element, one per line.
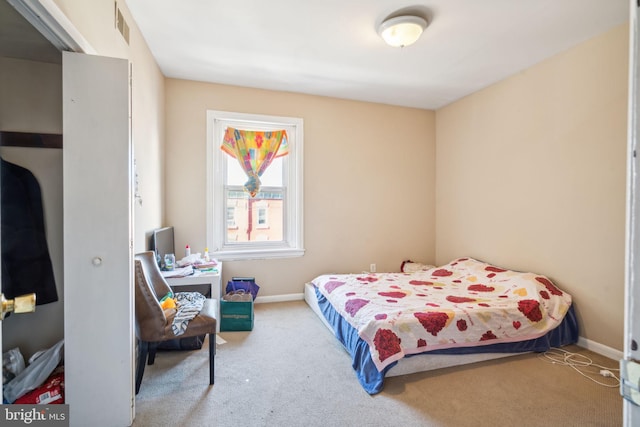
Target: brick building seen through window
<point>254,219</point>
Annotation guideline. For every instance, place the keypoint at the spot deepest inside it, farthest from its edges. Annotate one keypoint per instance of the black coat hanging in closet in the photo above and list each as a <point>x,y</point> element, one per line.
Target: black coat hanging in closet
<point>26,264</point>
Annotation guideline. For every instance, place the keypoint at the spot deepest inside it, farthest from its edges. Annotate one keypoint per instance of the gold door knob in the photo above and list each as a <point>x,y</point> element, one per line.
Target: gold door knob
<point>22,304</point>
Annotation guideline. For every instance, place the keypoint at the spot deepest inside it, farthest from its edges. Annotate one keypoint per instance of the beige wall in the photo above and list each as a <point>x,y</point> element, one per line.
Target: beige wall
<point>531,175</point>
<point>31,98</point>
<point>368,180</point>
<point>95,21</point>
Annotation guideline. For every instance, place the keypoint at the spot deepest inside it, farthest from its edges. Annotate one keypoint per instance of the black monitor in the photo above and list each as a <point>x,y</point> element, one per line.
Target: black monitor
<point>162,241</point>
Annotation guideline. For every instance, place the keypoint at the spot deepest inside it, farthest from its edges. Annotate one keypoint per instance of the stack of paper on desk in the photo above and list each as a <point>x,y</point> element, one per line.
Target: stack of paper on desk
<point>178,272</point>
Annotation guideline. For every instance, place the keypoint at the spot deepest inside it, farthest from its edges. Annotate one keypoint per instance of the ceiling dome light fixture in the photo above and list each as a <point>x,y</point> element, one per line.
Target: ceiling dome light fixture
<point>402,31</point>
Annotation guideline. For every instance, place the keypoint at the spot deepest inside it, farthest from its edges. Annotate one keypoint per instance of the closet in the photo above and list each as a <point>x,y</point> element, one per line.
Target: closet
<point>37,147</point>
<point>31,137</point>
<point>84,98</point>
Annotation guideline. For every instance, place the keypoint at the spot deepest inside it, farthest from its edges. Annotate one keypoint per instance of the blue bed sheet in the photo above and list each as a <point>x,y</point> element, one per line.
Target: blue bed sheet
<point>372,380</point>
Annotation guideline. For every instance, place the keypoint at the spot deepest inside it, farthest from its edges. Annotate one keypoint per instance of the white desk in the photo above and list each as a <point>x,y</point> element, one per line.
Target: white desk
<point>198,279</point>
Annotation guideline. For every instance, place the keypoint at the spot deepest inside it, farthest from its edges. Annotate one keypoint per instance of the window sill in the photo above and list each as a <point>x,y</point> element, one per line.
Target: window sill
<point>248,254</point>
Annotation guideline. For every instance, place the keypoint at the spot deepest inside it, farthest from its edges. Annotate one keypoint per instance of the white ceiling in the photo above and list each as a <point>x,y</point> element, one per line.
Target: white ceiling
<point>331,47</point>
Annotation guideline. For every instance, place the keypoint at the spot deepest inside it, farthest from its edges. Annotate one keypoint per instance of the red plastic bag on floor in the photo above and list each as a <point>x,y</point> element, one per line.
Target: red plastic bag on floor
<point>35,374</point>
<point>51,392</point>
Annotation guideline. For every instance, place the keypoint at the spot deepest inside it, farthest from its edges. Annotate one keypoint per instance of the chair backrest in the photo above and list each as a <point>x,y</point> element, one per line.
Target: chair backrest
<point>150,288</point>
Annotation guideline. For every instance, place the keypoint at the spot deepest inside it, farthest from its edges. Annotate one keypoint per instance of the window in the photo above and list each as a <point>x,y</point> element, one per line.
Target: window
<point>268,225</point>
<point>263,214</point>
<point>231,217</point>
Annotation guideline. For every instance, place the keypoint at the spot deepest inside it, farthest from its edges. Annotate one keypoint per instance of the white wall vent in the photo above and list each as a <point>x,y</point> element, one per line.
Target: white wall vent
<point>121,24</point>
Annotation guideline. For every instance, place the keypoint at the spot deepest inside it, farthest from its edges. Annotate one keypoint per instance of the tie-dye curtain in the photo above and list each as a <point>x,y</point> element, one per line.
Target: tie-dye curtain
<point>255,150</point>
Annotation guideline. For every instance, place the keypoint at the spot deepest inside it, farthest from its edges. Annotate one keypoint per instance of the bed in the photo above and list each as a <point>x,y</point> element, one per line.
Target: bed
<point>461,312</point>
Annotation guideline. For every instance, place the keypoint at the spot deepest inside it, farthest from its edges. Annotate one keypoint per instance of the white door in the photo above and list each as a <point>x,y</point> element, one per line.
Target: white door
<point>630,369</point>
<point>98,253</point>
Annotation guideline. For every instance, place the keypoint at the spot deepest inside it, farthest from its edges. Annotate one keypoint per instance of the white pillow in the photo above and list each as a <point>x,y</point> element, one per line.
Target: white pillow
<point>412,267</point>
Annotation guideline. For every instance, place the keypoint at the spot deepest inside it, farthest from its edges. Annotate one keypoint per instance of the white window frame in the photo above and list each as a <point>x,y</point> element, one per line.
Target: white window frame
<point>293,242</point>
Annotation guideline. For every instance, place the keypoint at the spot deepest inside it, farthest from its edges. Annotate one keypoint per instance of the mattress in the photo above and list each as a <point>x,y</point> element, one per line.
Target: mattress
<point>409,365</point>
<point>371,375</point>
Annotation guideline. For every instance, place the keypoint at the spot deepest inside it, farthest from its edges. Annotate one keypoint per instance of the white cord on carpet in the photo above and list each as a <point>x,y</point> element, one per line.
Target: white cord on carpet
<point>580,363</point>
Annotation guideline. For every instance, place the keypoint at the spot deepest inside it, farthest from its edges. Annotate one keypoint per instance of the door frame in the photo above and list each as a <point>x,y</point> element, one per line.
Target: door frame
<point>53,24</point>
<point>631,411</point>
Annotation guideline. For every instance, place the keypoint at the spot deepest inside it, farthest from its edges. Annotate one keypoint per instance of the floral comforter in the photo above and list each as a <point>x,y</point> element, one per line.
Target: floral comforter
<point>461,304</point>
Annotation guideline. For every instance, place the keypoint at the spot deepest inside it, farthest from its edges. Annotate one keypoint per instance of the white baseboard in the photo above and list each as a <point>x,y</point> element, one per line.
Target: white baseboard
<point>602,349</point>
<point>280,298</point>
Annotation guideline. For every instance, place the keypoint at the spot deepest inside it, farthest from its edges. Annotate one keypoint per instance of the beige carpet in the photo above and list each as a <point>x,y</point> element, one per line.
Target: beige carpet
<point>291,371</point>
